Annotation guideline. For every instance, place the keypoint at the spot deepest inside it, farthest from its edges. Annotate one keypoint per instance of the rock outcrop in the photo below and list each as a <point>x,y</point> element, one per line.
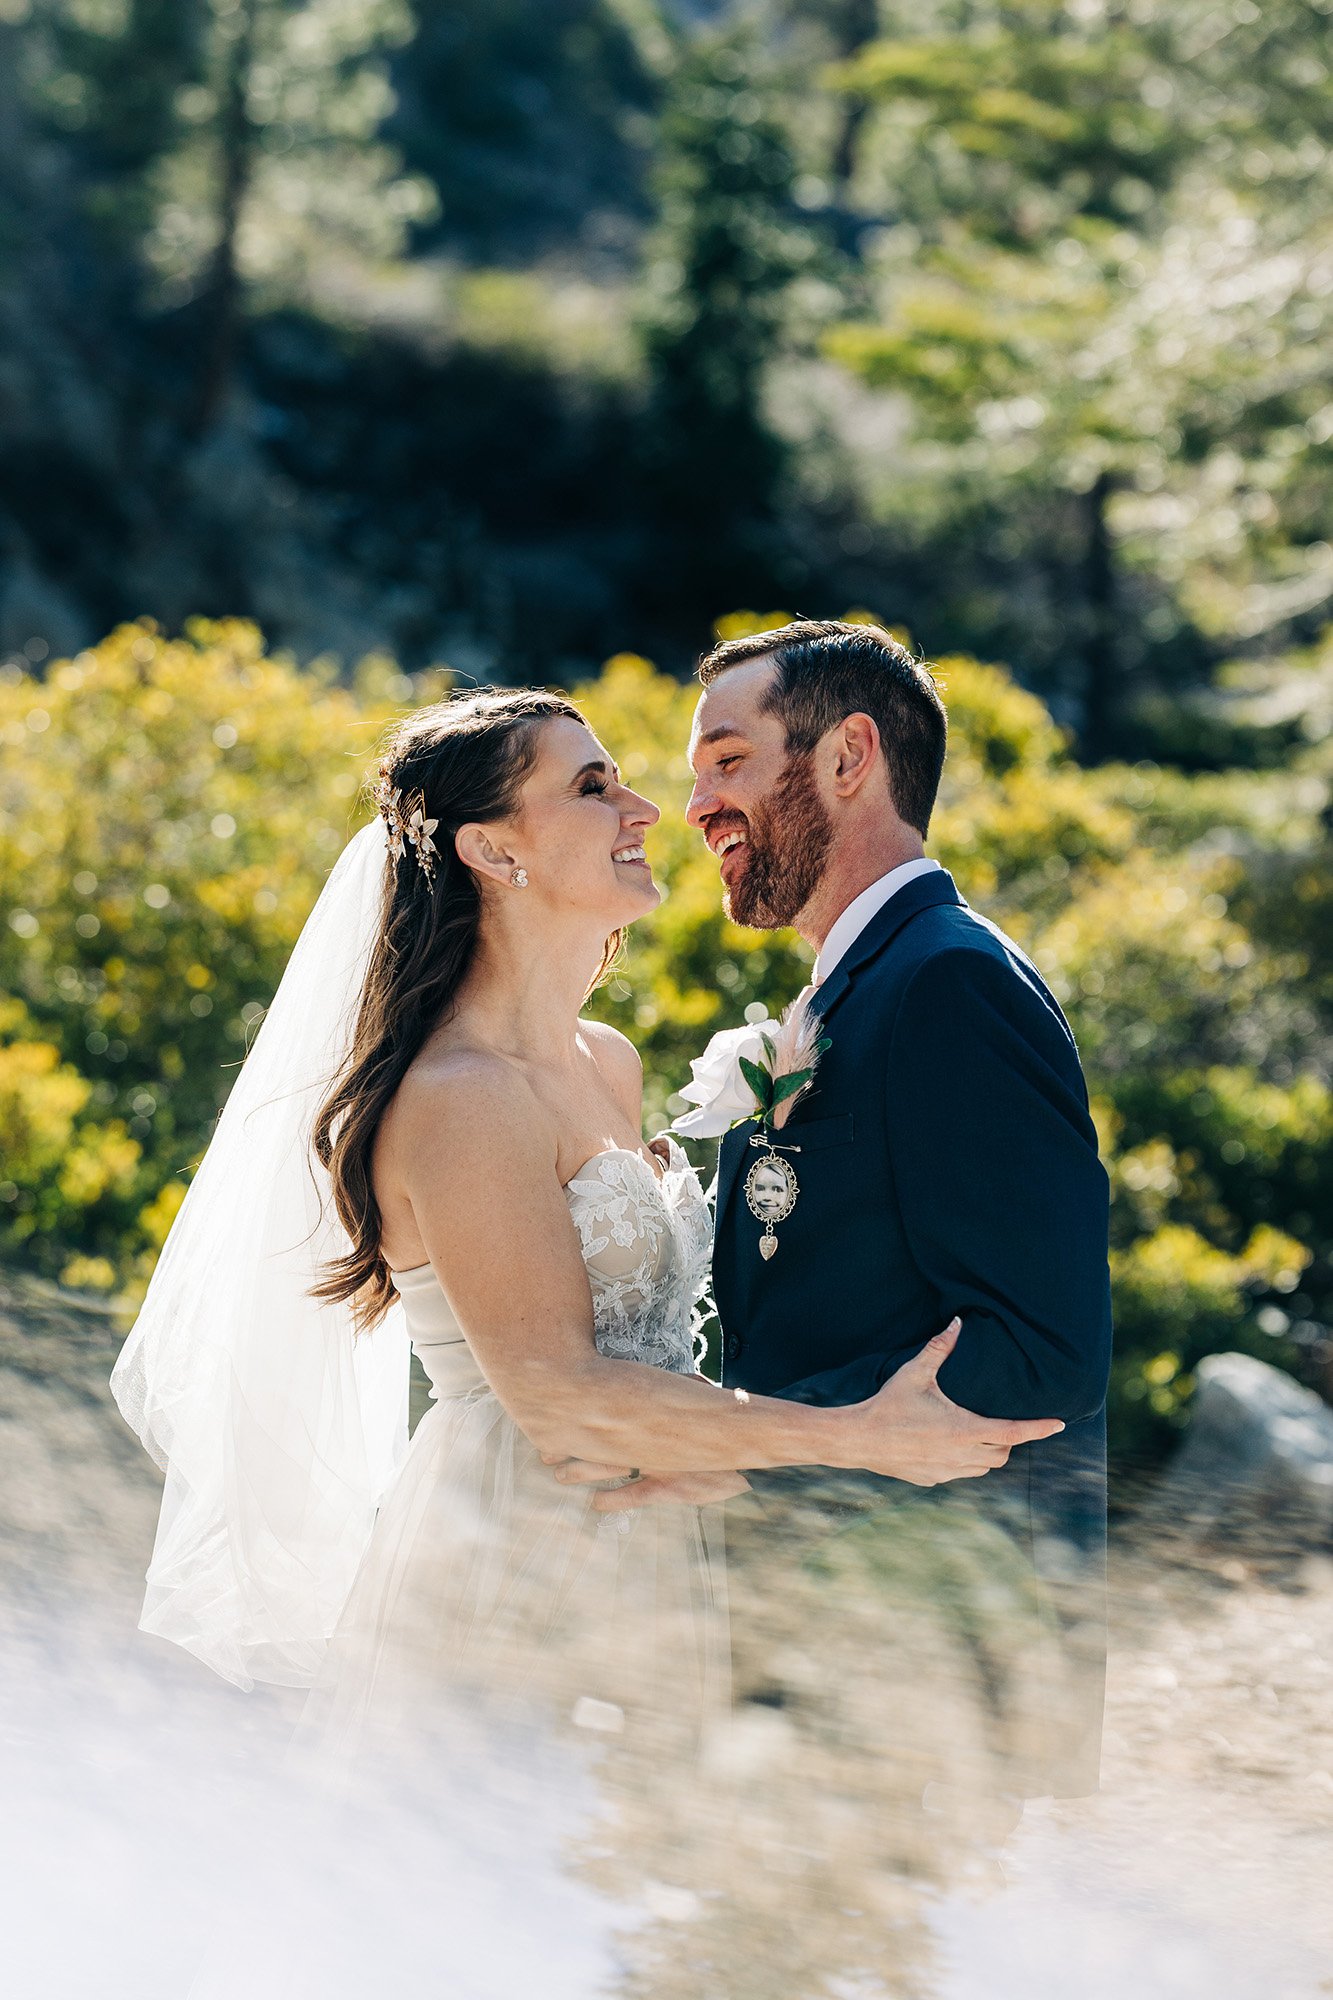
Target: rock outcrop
<point>1257,1440</point>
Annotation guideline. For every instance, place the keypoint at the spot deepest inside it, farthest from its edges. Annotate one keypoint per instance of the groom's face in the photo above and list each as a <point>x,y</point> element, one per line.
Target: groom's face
<point>759,808</point>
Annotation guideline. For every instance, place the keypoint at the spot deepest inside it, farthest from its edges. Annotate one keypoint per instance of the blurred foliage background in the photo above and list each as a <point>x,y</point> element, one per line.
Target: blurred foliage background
<point>171,806</point>
<point>439,343</point>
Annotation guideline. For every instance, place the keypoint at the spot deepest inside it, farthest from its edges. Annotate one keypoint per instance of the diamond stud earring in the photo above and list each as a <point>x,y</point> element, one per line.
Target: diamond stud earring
<point>519,878</point>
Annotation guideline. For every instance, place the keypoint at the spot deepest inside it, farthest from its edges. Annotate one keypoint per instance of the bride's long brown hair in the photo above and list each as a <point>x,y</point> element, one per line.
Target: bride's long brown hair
<point>463,759</point>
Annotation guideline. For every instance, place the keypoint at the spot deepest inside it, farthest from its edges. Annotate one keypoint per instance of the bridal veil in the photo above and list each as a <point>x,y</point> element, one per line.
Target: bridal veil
<point>277,1426</point>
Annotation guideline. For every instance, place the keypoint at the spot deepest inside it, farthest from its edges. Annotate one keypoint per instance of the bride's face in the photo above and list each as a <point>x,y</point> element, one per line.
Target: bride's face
<point>579,831</point>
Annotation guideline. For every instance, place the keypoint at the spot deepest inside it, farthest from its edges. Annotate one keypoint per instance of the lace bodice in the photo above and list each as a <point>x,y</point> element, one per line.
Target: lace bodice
<point>645,1240</point>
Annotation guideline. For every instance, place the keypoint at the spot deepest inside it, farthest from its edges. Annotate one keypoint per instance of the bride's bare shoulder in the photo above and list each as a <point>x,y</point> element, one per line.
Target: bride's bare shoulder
<point>619,1062</point>
<point>455,1096</point>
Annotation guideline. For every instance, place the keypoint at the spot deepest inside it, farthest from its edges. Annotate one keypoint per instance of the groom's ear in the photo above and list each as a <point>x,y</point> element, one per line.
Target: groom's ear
<point>477,851</point>
<point>856,753</point>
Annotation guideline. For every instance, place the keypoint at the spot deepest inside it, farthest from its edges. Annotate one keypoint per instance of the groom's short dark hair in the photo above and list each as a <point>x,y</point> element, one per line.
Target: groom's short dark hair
<point>826,671</point>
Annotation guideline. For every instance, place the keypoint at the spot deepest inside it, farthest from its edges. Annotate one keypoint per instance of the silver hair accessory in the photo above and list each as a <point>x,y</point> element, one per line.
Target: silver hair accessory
<point>519,878</point>
<point>408,825</point>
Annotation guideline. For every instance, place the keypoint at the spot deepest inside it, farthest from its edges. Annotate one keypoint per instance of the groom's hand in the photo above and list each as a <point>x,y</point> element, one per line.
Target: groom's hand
<point>913,1431</point>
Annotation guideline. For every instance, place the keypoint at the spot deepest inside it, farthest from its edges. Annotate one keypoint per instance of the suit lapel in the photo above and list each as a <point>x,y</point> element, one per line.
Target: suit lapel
<point>927,892</point>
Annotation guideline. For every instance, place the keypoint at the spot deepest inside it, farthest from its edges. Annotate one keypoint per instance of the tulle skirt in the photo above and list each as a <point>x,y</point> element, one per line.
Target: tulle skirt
<point>491,1593</point>
<point>511,1667</point>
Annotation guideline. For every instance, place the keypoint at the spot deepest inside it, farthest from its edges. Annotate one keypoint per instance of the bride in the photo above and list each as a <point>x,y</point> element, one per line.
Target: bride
<point>429,1144</point>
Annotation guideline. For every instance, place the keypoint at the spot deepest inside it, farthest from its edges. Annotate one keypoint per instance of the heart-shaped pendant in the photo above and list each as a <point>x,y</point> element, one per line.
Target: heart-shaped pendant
<point>770,1192</point>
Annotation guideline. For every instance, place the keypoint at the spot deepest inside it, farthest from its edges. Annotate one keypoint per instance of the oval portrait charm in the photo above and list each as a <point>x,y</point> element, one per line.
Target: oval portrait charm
<point>770,1193</point>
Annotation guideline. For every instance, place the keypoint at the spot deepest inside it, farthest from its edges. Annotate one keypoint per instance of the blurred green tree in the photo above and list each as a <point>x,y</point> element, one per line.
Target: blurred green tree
<point>1048,121</point>
<point>259,164</point>
<point>110,82</point>
<point>533,121</point>
<point>1086,296</point>
<point>720,271</point>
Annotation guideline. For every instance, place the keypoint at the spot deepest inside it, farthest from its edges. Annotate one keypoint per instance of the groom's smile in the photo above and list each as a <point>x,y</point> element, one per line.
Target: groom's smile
<point>727,839</point>
<point>757,805</point>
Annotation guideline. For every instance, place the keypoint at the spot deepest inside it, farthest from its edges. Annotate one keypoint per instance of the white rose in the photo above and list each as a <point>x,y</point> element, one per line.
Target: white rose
<point>717,1084</point>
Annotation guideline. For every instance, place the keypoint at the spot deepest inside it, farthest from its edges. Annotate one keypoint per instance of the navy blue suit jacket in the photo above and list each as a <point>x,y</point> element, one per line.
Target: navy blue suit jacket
<point>948,1165</point>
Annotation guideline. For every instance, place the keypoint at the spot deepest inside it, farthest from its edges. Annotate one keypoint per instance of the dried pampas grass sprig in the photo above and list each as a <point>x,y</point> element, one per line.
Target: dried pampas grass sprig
<point>793,1054</point>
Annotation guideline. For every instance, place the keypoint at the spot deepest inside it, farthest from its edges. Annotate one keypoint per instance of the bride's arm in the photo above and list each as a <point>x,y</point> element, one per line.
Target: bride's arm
<point>476,1156</point>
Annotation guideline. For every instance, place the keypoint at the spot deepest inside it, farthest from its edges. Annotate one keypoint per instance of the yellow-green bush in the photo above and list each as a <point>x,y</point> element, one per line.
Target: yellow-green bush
<point>170,807</point>
<point>59,1167</point>
<point>168,811</point>
<point>1177,1298</point>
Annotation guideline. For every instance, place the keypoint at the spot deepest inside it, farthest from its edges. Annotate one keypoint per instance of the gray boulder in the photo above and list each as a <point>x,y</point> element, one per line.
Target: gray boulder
<point>1256,1439</point>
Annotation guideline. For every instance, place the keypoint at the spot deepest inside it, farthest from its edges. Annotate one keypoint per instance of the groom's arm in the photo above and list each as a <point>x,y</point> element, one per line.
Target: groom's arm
<point>1002,1196</point>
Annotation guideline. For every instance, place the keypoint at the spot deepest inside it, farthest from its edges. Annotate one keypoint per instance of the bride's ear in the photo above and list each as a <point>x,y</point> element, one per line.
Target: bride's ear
<point>477,851</point>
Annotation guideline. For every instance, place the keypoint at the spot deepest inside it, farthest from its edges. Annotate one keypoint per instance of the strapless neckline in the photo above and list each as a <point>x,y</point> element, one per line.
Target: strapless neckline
<point>606,1153</point>
<point>616,1152</point>
<point>644,1238</point>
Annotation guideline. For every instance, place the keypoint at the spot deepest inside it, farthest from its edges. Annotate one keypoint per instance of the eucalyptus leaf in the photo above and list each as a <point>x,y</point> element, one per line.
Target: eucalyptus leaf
<point>788,1085</point>
<point>759,1080</point>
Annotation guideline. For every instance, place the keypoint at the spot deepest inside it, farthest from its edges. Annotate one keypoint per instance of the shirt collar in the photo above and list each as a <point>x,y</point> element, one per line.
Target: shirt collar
<point>847,928</point>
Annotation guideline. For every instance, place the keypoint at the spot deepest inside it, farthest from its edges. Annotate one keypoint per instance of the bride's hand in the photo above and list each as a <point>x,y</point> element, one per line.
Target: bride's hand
<point>583,1471</point>
<point>911,1430</point>
<point>671,1489</point>
<point>624,1488</point>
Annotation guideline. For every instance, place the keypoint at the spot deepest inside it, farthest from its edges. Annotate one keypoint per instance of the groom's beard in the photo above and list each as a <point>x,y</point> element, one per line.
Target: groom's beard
<point>789,836</point>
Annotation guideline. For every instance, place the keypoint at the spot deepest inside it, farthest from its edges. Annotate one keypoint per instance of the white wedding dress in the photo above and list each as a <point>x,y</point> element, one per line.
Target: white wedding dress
<point>512,1674</point>
<point>490,1588</point>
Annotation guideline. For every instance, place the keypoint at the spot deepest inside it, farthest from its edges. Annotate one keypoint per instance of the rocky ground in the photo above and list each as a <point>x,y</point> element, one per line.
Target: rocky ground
<point>1202,1871</point>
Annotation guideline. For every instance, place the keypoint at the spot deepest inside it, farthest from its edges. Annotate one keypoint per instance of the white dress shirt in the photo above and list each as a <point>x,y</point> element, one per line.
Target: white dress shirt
<point>847,928</point>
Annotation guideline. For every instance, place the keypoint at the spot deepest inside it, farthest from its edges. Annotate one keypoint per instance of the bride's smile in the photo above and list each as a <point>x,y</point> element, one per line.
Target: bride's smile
<point>577,835</point>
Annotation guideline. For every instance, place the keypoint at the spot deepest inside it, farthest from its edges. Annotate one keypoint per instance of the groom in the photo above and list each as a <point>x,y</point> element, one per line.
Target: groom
<point>944,1160</point>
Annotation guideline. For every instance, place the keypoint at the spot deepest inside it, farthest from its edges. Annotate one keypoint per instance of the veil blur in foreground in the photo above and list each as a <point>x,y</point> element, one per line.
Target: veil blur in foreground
<point>277,1426</point>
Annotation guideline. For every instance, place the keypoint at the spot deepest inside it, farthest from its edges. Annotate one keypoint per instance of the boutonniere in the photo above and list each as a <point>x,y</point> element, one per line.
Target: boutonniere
<point>757,1074</point>
<point>787,1068</point>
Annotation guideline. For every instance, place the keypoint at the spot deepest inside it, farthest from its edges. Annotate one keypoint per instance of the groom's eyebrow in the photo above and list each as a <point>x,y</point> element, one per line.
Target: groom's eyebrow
<point>723,729</point>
